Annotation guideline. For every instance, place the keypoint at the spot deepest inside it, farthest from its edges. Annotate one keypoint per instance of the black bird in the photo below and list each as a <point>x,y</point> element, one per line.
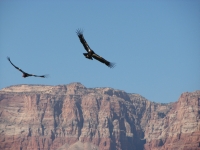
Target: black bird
<point>90,53</point>
<point>24,73</point>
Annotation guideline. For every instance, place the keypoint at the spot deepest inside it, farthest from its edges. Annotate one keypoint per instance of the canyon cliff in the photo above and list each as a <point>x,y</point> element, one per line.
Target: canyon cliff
<point>73,117</point>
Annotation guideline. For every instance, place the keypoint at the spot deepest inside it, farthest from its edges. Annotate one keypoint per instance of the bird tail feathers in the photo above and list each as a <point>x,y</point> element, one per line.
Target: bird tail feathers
<point>87,56</point>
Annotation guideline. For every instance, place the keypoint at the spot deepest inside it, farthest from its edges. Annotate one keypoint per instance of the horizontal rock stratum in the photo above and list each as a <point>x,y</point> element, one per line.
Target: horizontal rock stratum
<point>73,117</point>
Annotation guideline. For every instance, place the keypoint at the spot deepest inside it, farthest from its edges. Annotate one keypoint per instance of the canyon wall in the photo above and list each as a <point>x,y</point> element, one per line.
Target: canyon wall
<point>73,117</point>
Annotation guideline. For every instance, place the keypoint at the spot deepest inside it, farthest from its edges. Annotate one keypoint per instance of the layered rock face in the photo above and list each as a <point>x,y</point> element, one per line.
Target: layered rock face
<point>73,117</point>
<point>179,128</point>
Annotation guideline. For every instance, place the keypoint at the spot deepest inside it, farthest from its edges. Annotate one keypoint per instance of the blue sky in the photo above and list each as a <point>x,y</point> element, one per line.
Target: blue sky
<point>155,45</point>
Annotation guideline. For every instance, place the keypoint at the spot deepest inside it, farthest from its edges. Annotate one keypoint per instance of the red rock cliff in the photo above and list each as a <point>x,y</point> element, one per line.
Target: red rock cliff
<point>37,117</point>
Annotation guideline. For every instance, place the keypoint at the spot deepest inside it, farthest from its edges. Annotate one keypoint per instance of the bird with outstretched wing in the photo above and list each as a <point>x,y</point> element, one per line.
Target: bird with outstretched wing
<point>90,53</point>
<point>24,73</point>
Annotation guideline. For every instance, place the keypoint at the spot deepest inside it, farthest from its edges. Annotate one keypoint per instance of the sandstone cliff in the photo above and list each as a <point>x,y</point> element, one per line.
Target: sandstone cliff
<point>73,117</point>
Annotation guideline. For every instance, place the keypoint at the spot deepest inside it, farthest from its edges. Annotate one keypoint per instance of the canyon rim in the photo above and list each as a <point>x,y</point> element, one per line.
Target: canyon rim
<point>73,117</point>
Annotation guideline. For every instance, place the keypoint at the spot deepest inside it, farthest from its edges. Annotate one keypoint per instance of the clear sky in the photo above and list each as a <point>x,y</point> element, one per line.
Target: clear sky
<point>155,45</point>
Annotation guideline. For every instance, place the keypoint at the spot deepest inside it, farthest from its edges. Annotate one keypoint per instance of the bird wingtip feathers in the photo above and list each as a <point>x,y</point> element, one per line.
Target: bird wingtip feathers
<point>46,76</point>
<point>111,65</point>
<point>8,58</point>
<point>79,31</point>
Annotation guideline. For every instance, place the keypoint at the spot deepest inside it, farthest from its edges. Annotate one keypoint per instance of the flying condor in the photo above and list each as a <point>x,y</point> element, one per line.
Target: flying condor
<point>24,73</point>
<point>90,53</point>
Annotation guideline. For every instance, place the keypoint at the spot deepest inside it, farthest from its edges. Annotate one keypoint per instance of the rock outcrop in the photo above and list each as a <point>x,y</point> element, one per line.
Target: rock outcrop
<point>179,128</point>
<point>73,117</point>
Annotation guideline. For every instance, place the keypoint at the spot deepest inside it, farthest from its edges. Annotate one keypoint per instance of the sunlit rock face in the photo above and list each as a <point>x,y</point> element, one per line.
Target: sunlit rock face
<point>179,129</point>
<point>72,117</point>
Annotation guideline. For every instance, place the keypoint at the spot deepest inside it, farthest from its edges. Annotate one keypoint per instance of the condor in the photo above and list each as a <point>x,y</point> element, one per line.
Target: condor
<point>24,73</point>
<point>90,53</point>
